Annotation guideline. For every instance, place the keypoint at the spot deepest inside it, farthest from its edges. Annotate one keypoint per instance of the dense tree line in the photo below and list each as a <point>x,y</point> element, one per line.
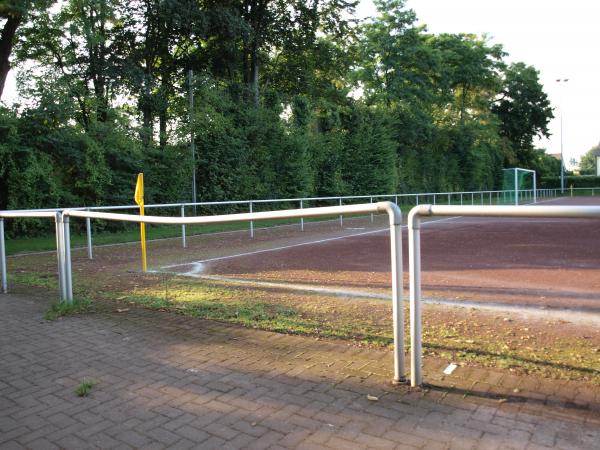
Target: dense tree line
<point>291,98</point>
<point>587,165</point>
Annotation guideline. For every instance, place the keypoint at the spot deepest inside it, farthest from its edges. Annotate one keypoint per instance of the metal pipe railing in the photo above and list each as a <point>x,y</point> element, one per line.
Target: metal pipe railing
<point>414,254</point>
<point>395,222</point>
<point>59,239</point>
<point>398,199</point>
<point>3,259</point>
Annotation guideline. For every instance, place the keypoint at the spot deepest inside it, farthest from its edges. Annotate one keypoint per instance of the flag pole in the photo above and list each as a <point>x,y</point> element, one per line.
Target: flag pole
<point>139,199</point>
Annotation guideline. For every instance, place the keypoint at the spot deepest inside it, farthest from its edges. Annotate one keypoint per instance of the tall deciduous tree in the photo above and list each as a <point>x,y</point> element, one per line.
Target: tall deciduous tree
<point>587,165</point>
<point>13,13</point>
<point>285,26</point>
<point>155,39</point>
<point>523,109</point>
<point>74,49</point>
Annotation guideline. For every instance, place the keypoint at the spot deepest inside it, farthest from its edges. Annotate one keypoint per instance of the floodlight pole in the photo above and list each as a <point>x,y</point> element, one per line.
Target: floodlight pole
<point>192,142</point>
<point>562,164</point>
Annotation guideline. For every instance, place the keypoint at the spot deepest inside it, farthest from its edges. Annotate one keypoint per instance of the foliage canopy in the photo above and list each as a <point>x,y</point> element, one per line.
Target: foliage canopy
<point>290,98</point>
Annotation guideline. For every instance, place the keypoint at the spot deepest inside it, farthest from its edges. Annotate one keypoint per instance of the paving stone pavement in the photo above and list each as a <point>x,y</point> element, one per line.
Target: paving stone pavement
<point>167,381</point>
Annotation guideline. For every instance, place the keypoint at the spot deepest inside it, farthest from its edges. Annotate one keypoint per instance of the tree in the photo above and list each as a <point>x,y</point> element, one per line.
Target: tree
<point>285,26</point>
<point>524,111</point>
<point>587,166</point>
<point>468,72</point>
<point>74,50</point>
<point>155,39</point>
<point>395,64</point>
<point>14,13</point>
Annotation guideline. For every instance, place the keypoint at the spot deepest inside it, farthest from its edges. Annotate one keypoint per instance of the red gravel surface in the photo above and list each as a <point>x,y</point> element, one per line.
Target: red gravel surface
<point>545,262</point>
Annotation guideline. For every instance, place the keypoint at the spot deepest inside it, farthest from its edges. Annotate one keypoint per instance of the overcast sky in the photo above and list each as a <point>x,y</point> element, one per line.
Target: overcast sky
<point>561,39</point>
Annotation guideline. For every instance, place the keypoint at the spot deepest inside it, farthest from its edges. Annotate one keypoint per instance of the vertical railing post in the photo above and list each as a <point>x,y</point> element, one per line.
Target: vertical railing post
<point>301,218</point>
<point>183,241</point>
<point>371,201</point>
<point>414,249</point>
<point>417,199</point>
<point>449,198</point>
<point>397,304</point>
<point>434,198</point>
<point>341,216</point>
<point>251,222</point>
<point>461,199</point>
<point>3,258</point>
<point>472,198</point>
<point>88,229</point>
<point>60,255</point>
<point>67,252</point>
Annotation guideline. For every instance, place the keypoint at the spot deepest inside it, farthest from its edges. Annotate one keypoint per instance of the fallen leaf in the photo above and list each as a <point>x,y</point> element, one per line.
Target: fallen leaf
<point>372,398</point>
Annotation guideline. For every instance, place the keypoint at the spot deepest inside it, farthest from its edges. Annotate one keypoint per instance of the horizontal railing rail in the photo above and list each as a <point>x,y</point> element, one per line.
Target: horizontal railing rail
<point>491,197</point>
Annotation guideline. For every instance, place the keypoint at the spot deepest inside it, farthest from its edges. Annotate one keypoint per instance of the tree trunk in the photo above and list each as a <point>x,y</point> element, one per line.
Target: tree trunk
<point>255,69</point>
<point>6,45</point>
<point>147,131</point>
<point>162,120</point>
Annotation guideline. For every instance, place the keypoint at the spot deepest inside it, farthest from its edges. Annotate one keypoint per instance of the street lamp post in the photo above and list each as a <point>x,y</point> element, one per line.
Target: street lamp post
<point>562,164</point>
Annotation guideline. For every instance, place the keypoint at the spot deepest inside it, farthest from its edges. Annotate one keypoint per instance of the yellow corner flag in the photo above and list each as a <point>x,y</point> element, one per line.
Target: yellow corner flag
<point>139,199</point>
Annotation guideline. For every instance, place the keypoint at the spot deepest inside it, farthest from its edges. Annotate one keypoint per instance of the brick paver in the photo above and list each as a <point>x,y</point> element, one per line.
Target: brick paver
<point>167,381</point>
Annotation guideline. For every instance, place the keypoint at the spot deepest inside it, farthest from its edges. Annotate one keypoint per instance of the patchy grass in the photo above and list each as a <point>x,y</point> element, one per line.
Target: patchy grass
<point>46,280</point>
<point>568,352</point>
<point>477,339</point>
<point>84,388</point>
<point>132,234</point>
<point>60,309</point>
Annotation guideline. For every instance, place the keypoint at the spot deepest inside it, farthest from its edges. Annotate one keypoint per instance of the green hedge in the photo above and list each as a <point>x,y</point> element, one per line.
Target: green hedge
<point>581,181</point>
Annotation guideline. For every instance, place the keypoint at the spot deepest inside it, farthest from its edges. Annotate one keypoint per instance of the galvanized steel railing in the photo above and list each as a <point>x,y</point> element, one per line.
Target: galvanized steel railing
<point>462,198</point>
<point>414,249</point>
<point>395,223</point>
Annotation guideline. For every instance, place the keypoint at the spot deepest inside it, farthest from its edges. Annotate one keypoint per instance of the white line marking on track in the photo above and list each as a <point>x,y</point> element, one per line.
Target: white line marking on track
<point>274,249</point>
<point>285,247</point>
<point>573,315</point>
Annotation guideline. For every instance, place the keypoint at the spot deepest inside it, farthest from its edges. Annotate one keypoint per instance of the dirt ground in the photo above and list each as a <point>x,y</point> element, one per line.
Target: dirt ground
<point>542,262</point>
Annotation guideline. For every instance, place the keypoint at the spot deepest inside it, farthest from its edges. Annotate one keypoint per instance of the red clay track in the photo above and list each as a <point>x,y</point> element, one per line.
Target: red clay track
<point>551,262</point>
